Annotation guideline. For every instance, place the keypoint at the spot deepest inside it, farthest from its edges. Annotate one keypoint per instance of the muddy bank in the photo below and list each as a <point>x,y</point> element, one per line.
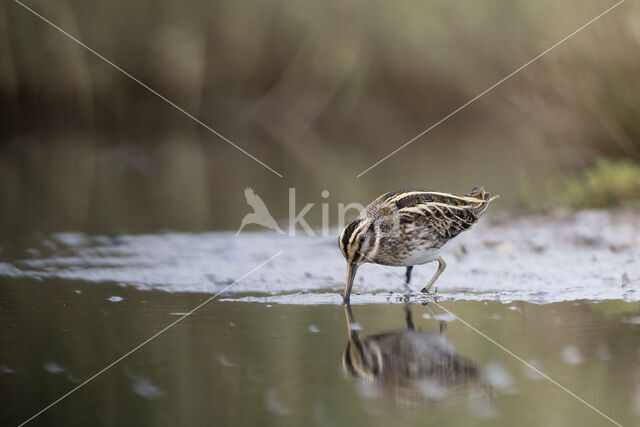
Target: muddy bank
<point>588,255</point>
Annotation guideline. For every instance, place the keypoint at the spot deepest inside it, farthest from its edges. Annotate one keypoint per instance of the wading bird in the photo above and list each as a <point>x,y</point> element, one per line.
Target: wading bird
<point>407,228</point>
<point>409,366</point>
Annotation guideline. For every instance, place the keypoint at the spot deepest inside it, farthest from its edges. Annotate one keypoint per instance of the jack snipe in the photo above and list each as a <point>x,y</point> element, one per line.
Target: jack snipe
<point>409,366</point>
<point>407,228</point>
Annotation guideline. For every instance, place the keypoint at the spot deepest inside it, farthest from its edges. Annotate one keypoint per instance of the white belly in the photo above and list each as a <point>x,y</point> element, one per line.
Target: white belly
<point>421,255</point>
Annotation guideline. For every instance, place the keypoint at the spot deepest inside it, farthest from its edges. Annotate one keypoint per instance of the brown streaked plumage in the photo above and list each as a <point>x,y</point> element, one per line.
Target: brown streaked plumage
<point>409,366</point>
<point>407,228</point>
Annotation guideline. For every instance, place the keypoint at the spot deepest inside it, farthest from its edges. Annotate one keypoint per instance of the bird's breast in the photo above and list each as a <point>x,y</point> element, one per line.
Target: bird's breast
<point>402,250</point>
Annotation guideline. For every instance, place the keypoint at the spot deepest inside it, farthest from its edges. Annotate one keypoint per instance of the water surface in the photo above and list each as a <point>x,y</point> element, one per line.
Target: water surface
<point>592,255</point>
<point>238,363</point>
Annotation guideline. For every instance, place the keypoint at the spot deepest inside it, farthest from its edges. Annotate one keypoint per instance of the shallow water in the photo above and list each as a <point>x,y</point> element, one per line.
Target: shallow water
<point>235,363</point>
<point>274,348</point>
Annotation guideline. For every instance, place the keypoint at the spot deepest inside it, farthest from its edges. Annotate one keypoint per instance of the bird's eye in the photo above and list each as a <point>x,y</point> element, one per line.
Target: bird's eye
<point>361,240</point>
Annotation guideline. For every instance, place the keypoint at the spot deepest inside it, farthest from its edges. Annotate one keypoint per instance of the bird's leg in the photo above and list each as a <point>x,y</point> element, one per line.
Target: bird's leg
<point>408,317</point>
<point>346,297</point>
<point>441,324</point>
<point>409,274</point>
<point>408,279</point>
<point>441,266</point>
<point>443,327</point>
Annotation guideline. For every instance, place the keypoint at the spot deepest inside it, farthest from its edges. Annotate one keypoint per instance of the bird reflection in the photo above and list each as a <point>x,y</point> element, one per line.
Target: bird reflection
<point>409,366</point>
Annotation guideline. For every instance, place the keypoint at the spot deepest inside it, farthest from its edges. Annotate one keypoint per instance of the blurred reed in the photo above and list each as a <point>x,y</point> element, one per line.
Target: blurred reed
<point>317,90</point>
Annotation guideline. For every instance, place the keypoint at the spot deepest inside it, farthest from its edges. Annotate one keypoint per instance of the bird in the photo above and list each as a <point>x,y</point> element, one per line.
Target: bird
<point>409,227</point>
<point>409,366</point>
<point>260,214</point>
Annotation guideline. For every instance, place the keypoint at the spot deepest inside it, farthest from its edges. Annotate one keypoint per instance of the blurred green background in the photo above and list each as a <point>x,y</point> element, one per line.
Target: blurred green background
<point>317,90</point>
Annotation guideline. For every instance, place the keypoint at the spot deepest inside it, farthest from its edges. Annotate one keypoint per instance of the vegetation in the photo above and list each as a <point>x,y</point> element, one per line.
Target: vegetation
<point>317,90</point>
<point>609,183</point>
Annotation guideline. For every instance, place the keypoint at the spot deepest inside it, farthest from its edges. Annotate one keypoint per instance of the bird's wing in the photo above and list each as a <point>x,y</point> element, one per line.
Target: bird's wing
<point>445,214</point>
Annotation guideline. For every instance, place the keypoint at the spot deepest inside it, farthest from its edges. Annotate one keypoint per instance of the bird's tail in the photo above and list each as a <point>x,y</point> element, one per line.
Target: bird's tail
<point>480,193</point>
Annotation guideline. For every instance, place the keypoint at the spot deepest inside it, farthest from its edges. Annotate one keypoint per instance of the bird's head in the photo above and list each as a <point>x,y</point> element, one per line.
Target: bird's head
<point>358,244</point>
<point>358,241</point>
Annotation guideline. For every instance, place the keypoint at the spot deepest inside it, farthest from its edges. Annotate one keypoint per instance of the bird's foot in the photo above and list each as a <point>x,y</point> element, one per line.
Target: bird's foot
<point>433,295</point>
<point>428,292</point>
<point>409,292</point>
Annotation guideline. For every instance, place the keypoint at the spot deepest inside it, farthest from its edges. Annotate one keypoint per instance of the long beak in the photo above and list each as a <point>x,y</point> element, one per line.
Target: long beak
<point>349,316</point>
<point>351,274</point>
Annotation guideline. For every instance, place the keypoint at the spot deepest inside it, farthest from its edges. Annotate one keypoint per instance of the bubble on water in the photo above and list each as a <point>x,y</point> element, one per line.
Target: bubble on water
<point>633,320</point>
<point>232,324</point>
<point>499,378</point>
<point>426,316</point>
<point>72,378</point>
<point>530,373</point>
<point>53,367</point>
<point>145,388</point>
<point>6,370</point>
<point>275,405</point>
<point>513,308</point>
<point>314,329</point>
<point>447,317</point>
<point>224,361</point>
<point>56,369</point>
<point>78,291</point>
<point>571,355</point>
<point>115,299</point>
<point>355,327</point>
